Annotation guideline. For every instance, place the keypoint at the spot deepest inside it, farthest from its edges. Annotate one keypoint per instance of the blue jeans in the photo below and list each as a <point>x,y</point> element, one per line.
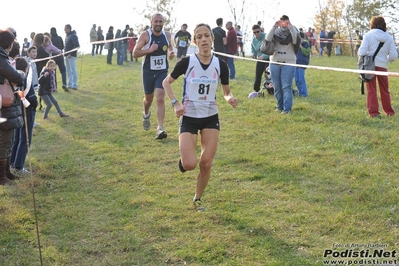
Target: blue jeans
<point>72,73</point>
<point>301,82</point>
<point>19,148</point>
<point>119,56</point>
<point>124,51</point>
<point>49,100</point>
<point>282,77</point>
<point>230,64</point>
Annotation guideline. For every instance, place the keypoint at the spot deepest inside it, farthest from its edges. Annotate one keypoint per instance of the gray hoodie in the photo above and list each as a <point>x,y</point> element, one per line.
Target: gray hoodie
<point>371,40</point>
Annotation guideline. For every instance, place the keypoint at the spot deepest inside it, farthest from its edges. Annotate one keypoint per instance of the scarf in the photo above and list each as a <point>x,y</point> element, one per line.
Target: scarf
<point>283,36</point>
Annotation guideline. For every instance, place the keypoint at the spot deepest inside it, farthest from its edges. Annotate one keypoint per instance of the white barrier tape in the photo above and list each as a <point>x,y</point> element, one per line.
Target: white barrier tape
<point>51,57</point>
<point>336,41</point>
<point>358,71</point>
<point>63,53</point>
<point>110,40</point>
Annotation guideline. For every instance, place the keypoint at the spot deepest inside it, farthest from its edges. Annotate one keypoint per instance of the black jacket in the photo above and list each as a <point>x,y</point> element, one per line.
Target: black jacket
<point>14,112</point>
<point>45,83</point>
<point>110,36</point>
<point>71,42</point>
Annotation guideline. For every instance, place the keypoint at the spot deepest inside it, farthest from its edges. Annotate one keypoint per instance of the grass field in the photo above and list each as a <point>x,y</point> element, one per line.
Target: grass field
<point>284,188</point>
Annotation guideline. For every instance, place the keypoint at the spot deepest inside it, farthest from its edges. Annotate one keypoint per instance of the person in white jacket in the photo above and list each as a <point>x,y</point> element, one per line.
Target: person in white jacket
<point>387,53</point>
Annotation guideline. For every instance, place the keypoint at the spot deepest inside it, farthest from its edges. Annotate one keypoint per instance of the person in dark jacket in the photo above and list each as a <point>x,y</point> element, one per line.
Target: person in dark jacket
<point>302,58</point>
<point>125,42</point>
<point>110,36</point>
<point>330,37</point>
<point>100,37</point>
<point>41,53</point>
<point>59,60</point>
<point>119,48</point>
<point>19,149</point>
<point>13,113</point>
<point>71,45</point>
<point>47,88</point>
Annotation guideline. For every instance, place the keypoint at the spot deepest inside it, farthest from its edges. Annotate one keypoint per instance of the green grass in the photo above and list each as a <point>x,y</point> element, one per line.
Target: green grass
<point>283,188</point>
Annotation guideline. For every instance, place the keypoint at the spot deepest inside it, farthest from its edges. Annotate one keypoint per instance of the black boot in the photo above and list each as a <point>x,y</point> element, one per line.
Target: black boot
<point>3,179</point>
<point>9,175</point>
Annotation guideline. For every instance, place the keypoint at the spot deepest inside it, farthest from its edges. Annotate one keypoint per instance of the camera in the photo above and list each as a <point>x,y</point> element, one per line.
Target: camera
<point>283,23</point>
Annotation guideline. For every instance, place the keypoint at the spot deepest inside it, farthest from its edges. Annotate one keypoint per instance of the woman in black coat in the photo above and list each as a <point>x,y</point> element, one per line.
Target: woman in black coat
<point>110,36</point>
<point>41,53</point>
<point>13,113</point>
<point>59,60</point>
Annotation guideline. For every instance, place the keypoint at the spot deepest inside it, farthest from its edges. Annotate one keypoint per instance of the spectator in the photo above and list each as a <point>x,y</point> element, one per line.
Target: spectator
<point>32,37</point>
<point>48,87</point>
<point>119,47</point>
<point>323,42</point>
<point>131,45</point>
<point>124,43</point>
<point>330,37</point>
<point>240,41</point>
<point>311,39</point>
<point>220,39</point>
<point>302,58</point>
<point>12,113</point>
<point>100,37</point>
<point>182,40</point>
<point>41,52</point>
<point>261,65</point>
<point>231,48</point>
<point>25,47</point>
<point>49,47</point>
<point>110,44</point>
<point>387,53</point>
<point>59,60</point>
<point>93,38</point>
<point>286,41</point>
<point>20,146</point>
<point>71,46</point>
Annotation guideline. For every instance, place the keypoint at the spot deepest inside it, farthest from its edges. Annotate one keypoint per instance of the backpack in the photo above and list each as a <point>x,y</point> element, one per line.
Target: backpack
<point>366,62</point>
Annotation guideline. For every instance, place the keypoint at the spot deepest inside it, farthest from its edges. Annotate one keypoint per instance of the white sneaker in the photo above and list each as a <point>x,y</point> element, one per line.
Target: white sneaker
<point>146,122</point>
<point>161,134</point>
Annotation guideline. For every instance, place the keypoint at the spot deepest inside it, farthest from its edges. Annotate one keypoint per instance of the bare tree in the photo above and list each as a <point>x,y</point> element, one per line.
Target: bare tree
<point>164,7</point>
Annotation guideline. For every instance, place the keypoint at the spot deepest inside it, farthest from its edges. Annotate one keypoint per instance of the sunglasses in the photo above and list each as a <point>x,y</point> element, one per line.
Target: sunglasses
<point>258,31</point>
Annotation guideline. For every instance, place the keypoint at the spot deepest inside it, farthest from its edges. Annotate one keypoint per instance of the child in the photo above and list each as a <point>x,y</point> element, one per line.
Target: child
<point>302,58</point>
<point>32,53</point>
<point>25,47</point>
<point>19,148</point>
<point>49,47</point>
<point>47,87</point>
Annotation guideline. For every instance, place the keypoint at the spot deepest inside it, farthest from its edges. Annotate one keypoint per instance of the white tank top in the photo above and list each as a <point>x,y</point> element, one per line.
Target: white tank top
<point>200,86</point>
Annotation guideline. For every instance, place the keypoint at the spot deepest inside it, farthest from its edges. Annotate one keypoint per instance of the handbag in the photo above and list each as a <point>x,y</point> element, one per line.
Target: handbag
<point>267,47</point>
<point>366,62</point>
<point>107,45</point>
<point>7,93</point>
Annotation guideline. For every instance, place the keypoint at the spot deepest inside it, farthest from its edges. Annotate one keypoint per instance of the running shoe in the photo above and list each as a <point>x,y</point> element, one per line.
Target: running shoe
<point>161,134</point>
<point>198,206</point>
<point>146,121</point>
